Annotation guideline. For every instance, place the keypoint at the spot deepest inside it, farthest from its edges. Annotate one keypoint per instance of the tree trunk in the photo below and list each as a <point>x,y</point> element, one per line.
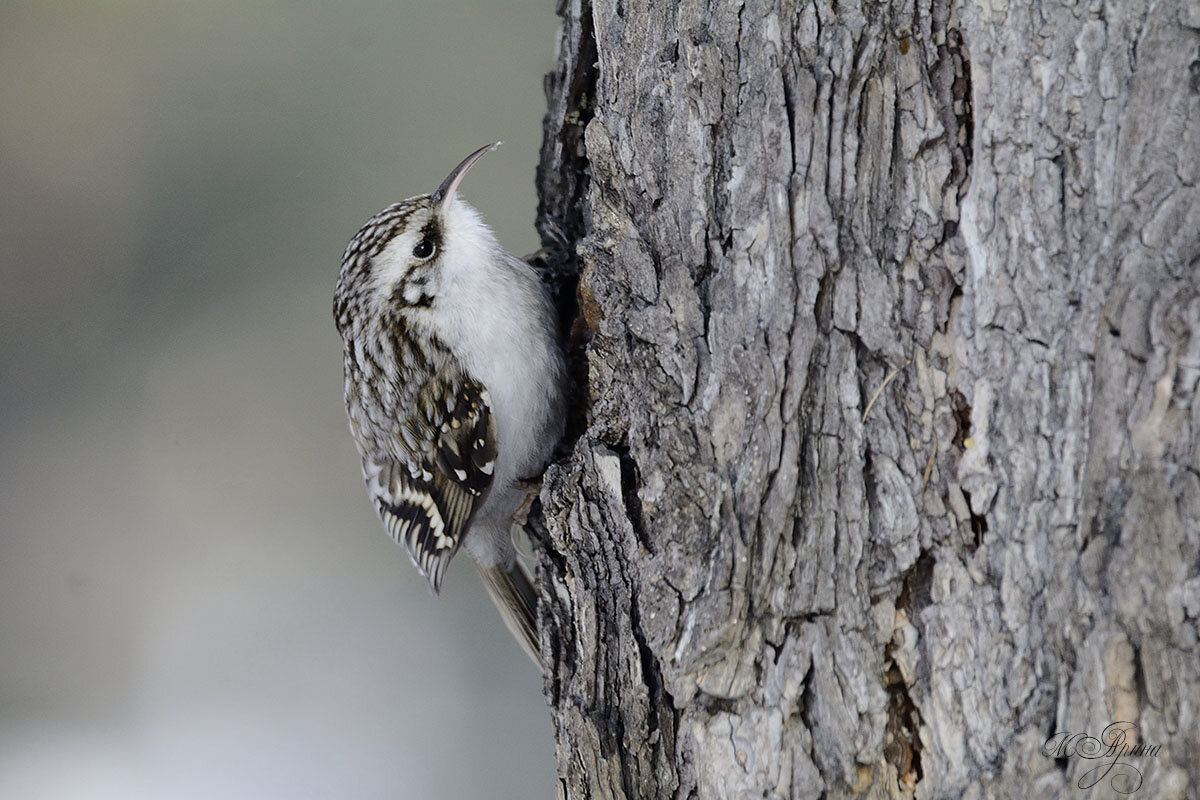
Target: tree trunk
<point>888,342</point>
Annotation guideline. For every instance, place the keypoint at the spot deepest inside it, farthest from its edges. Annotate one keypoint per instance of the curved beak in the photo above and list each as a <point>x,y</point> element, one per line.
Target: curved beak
<point>441,195</point>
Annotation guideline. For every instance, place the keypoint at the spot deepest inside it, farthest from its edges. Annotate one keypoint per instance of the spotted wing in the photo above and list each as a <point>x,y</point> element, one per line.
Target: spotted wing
<point>427,494</point>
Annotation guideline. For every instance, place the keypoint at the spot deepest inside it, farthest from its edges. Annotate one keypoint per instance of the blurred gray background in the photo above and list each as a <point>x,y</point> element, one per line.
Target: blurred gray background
<point>196,599</point>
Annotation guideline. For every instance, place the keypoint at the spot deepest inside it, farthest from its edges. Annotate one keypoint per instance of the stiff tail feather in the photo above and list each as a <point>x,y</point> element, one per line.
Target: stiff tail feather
<point>514,596</point>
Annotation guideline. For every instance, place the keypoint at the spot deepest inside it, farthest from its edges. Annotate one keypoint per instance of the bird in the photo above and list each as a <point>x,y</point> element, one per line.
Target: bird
<point>454,387</point>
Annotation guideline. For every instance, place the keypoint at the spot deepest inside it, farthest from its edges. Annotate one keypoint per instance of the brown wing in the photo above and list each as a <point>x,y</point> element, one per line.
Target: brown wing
<point>426,498</point>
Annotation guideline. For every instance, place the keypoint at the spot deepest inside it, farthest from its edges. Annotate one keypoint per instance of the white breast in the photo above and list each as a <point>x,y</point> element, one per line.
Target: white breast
<point>495,315</point>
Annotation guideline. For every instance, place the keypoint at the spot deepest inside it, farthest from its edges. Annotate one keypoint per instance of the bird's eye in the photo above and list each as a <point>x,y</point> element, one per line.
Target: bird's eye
<point>424,249</point>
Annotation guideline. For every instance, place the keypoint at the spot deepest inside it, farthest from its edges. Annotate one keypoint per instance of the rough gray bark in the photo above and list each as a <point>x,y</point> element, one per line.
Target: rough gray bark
<point>889,342</point>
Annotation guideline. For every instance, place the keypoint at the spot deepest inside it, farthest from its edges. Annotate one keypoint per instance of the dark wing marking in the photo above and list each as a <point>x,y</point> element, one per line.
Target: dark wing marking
<point>466,451</point>
<point>427,503</point>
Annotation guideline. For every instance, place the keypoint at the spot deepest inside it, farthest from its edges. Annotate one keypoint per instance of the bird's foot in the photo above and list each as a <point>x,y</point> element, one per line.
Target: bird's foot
<point>531,487</point>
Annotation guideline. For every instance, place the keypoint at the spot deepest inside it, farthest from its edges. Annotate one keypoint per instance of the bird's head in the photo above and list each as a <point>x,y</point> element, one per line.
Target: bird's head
<point>396,260</point>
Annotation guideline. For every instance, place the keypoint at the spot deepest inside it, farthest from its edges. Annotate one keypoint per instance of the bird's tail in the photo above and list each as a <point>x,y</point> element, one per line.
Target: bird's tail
<point>514,595</point>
